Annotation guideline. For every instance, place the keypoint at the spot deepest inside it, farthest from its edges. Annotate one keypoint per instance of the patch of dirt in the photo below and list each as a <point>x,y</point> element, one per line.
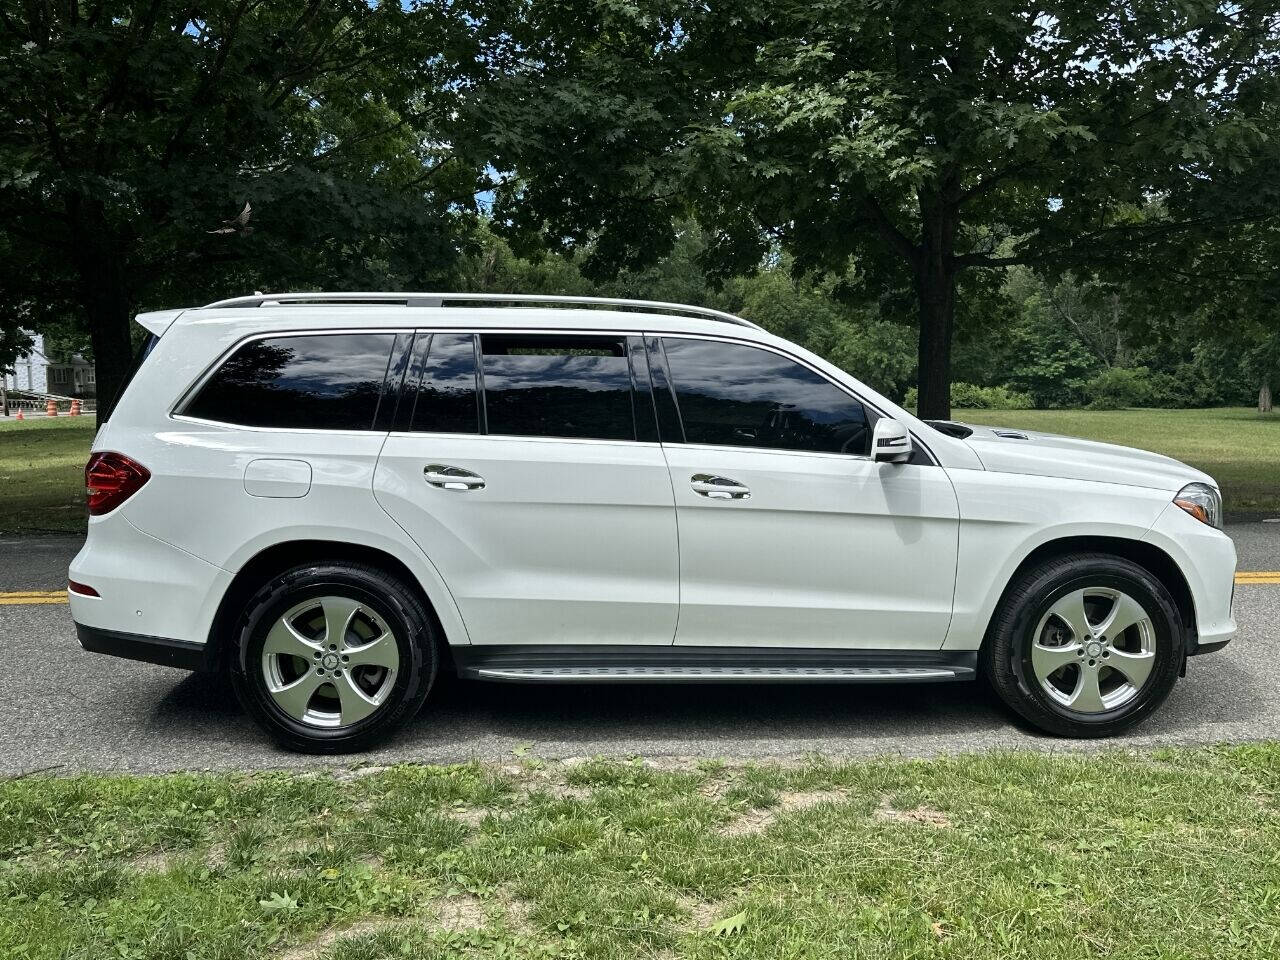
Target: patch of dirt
<point>702,913</point>
<point>924,815</point>
<point>314,948</point>
<point>471,816</point>
<point>517,911</point>
<point>159,861</point>
<point>757,821</point>
<point>355,773</point>
<point>460,912</point>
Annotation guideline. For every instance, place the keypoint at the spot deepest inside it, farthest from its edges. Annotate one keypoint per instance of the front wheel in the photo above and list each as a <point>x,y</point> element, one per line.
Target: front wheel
<point>1086,645</point>
<point>334,657</point>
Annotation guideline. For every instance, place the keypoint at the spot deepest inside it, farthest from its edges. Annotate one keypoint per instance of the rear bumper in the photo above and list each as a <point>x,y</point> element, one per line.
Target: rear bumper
<point>146,587</point>
<point>132,646</point>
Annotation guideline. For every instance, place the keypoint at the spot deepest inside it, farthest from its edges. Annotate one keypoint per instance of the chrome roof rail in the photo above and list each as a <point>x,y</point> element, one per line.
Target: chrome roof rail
<point>441,299</point>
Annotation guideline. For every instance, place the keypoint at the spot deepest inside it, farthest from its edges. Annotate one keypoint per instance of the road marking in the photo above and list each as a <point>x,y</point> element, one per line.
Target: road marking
<point>22,597</point>
<point>33,597</point>
<point>1258,576</point>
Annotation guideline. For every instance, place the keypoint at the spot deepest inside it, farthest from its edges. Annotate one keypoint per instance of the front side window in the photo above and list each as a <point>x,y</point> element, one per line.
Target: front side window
<point>557,386</point>
<point>739,396</point>
<point>321,381</point>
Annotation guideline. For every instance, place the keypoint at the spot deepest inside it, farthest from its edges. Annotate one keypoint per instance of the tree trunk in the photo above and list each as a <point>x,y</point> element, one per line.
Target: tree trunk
<point>935,282</point>
<point>1264,398</point>
<point>937,318</point>
<point>104,298</point>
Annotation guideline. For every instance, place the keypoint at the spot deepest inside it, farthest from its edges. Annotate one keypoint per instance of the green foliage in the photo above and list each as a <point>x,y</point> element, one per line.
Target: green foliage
<point>1119,387</point>
<point>972,397</point>
<point>916,141</point>
<point>132,137</point>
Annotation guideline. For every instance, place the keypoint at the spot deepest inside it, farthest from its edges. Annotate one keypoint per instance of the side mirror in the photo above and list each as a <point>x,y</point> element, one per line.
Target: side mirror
<point>890,442</point>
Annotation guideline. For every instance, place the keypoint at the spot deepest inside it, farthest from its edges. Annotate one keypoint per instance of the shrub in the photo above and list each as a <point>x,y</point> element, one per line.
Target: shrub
<point>969,396</point>
<point>1118,387</point>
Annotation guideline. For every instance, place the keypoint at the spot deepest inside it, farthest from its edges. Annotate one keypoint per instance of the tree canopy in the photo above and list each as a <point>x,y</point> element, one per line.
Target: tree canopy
<point>920,142</point>
<point>156,153</point>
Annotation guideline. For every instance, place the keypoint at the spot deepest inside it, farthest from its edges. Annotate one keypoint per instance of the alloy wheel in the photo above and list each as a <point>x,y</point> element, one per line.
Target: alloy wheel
<point>330,661</point>
<point>1093,650</point>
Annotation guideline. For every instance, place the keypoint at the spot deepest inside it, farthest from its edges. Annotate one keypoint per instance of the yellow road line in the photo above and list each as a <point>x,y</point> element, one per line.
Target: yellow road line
<point>1258,576</point>
<point>32,597</point>
<point>21,597</point>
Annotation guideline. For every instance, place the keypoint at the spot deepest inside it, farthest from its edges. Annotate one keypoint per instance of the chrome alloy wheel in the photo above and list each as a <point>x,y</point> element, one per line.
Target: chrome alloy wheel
<point>330,661</point>
<point>1094,650</point>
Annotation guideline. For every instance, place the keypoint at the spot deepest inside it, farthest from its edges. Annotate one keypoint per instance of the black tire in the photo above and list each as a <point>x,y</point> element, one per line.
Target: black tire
<point>1006,653</point>
<point>416,637</point>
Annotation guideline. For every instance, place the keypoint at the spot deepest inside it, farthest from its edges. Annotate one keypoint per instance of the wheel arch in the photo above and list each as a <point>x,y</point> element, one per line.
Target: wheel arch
<point>279,557</point>
<point>1146,555</point>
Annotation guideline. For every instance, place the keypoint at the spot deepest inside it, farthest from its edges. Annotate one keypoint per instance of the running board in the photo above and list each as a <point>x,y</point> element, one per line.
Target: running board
<point>668,664</point>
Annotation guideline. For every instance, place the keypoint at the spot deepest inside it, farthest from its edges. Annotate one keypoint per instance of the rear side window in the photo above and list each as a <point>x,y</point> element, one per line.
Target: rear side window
<point>320,382</point>
<point>738,396</point>
<point>139,357</point>
<point>447,399</point>
<point>558,386</point>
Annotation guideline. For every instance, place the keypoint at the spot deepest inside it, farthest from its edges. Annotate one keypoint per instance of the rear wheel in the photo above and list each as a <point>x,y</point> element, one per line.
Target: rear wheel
<point>334,657</point>
<point>1086,645</point>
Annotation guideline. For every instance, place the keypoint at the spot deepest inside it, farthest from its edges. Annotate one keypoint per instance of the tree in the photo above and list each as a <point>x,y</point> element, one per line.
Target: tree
<point>922,141</point>
<point>155,153</point>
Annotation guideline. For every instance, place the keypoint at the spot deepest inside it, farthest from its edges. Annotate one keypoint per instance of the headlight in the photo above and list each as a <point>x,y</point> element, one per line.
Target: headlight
<point>1201,501</point>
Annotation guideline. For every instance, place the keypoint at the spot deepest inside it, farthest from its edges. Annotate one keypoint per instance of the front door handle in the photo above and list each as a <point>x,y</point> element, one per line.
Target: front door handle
<point>718,488</point>
<point>452,478</point>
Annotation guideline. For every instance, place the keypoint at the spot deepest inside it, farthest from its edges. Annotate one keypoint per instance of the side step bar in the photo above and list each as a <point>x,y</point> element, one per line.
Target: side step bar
<point>669,664</point>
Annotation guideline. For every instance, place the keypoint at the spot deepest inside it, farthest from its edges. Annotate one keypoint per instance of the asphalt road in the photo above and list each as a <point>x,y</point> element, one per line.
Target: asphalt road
<point>64,709</point>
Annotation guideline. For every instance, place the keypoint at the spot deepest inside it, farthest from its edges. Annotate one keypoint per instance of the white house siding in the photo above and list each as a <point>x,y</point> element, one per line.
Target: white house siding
<point>31,371</point>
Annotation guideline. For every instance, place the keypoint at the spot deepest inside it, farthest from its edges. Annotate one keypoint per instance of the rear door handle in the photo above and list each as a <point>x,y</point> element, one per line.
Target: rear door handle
<point>718,488</point>
<point>452,478</point>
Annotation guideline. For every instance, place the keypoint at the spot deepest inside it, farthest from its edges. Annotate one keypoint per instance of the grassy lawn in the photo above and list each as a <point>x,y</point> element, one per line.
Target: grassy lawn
<point>42,460</point>
<point>42,473</point>
<point>1002,856</point>
<point>1238,447</point>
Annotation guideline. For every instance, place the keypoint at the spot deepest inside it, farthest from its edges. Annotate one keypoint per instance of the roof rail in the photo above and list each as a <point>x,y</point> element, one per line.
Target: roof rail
<point>440,299</point>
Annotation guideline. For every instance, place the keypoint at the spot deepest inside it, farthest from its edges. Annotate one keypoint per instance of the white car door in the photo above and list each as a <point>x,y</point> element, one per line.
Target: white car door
<point>528,471</point>
<point>790,535</point>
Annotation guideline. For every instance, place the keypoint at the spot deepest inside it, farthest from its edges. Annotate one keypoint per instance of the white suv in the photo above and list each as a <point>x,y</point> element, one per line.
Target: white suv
<point>336,496</point>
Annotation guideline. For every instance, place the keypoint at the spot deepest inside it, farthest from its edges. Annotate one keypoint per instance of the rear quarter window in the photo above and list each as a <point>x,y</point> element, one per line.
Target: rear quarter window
<point>314,381</point>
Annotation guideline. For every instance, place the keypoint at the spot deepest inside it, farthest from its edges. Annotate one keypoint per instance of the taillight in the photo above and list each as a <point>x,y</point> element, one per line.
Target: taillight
<point>111,479</point>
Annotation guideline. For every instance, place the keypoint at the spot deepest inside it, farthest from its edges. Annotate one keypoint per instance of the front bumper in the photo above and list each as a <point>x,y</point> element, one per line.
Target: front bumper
<point>1207,559</point>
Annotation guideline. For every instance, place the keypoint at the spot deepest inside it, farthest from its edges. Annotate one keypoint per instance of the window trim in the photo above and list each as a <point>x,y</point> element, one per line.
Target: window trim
<point>739,341</point>
<point>186,396</point>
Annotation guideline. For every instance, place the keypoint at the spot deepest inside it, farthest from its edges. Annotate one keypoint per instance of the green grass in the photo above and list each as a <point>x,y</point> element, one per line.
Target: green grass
<point>42,473</point>
<point>42,460</point>
<point>1238,447</point>
<point>983,856</point>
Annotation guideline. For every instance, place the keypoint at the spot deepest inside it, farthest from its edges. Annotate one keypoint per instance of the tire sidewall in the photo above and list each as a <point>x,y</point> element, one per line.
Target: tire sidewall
<point>1117,575</point>
<point>414,643</point>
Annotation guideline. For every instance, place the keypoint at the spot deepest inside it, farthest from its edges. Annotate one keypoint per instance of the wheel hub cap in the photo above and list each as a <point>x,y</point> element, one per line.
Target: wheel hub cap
<point>1093,650</point>
<point>330,661</point>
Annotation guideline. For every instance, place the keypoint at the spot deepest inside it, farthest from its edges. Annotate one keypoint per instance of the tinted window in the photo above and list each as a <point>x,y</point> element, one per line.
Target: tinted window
<point>447,401</point>
<point>329,381</point>
<point>552,386</point>
<point>733,395</point>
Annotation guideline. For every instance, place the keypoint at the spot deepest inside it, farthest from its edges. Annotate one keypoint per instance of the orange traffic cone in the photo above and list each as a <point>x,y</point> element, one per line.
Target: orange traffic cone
<point>20,416</point>
<point>51,408</point>
<point>75,409</point>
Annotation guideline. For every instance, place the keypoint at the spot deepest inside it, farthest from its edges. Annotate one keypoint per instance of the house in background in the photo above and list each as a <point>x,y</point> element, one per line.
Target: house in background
<point>36,373</point>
